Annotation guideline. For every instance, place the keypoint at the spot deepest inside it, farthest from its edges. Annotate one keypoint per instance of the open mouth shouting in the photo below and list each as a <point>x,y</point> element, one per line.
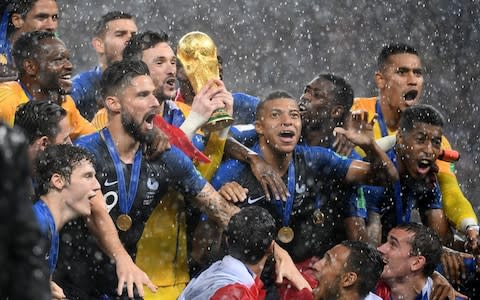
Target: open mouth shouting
<point>148,120</point>
<point>410,96</point>
<point>424,166</point>
<point>287,136</point>
<point>170,83</point>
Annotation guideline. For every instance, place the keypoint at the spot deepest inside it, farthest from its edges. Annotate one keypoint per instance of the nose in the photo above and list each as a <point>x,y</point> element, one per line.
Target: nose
<point>96,185</point>
<point>172,69</point>
<point>67,64</point>
<point>154,101</point>
<point>381,248</point>
<point>51,24</point>
<point>306,97</point>
<point>412,78</point>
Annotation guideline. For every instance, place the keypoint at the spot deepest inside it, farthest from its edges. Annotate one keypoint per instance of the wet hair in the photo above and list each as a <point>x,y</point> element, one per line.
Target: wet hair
<point>420,113</point>
<point>39,118</point>
<point>342,90</point>
<point>425,242</point>
<point>27,47</point>
<point>366,262</point>
<point>271,96</point>
<point>101,25</point>
<point>392,49</point>
<point>120,74</point>
<point>250,233</point>
<point>58,159</point>
<point>141,42</point>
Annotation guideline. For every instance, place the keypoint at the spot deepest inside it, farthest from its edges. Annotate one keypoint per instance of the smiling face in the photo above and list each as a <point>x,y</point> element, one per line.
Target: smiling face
<point>279,124</point>
<point>328,272</point>
<point>396,254</point>
<point>54,71</point>
<point>401,81</point>
<point>162,64</point>
<point>138,106</point>
<point>82,187</point>
<point>418,149</point>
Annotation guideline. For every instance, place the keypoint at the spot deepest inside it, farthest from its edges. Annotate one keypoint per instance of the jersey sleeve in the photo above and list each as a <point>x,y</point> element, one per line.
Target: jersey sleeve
<point>80,126</point>
<point>182,173</point>
<point>245,134</point>
<point>9,101</point>
<point>328,163</point>
<point>228,171</point>
<point>456,206</point>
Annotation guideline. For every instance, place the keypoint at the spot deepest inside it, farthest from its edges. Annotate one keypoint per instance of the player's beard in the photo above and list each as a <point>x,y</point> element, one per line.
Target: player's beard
<point>132,128</point>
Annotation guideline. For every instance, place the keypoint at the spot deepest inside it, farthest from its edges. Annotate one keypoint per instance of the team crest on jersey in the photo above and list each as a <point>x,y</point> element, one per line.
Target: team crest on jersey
<point>300,189</point>
<point>152,184</point>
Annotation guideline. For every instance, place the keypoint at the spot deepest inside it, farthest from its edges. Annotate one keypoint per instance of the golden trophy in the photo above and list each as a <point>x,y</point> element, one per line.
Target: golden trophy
<point>198,54</point>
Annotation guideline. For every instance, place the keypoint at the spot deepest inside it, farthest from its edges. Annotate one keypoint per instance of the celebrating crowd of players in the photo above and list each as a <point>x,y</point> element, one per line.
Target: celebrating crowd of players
<point>317,197</point>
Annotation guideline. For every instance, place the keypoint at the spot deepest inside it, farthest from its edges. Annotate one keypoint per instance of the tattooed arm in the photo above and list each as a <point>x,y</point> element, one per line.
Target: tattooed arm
<point>217,208</point>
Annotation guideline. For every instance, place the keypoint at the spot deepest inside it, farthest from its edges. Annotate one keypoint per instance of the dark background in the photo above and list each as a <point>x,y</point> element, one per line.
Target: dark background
<point>270,45</point>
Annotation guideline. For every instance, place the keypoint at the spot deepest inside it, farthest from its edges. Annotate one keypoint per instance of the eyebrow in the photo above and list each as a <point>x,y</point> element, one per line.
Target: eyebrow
<point>391,237</point>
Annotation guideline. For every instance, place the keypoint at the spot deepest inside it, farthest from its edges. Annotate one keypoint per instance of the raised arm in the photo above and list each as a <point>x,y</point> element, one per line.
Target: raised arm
<point>379,170</point>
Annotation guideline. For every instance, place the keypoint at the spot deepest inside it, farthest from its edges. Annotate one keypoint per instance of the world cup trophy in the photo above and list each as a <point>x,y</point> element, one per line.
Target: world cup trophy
<point>198,54</point>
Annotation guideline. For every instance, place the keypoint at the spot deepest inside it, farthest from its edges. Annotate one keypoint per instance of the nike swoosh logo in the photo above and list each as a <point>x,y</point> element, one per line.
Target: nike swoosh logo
<point>251,201</point>
<point>110,183</point>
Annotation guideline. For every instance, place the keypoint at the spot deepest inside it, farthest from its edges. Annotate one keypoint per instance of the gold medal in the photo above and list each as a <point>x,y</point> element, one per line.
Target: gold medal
<point>124,222</point>
<point>285,234</point>
<point>318,217</point>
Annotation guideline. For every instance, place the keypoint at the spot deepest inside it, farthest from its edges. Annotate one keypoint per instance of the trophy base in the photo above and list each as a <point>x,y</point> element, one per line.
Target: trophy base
<point>218,121</point>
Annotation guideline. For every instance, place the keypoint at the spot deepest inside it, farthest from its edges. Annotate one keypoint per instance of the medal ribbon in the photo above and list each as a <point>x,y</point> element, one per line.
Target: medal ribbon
<point>397,189</point>
<point>125,203</point>
<point>287,211</point>
<point>48,218</point>
<point>381,119</point>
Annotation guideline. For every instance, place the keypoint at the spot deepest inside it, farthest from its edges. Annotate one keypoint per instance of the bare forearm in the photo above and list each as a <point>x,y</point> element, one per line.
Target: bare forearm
<point>236,150</point>
<point>102,227</point>
<point>215,206</point>
<point>382,170</point>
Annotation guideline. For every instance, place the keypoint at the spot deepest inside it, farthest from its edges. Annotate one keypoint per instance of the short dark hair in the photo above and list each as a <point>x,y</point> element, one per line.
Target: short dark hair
<point>26,47</point>
<point>392,49</point>
<point>119,75</point>
<point>101,25</point>
<point>39,118</point>
<point>421,113</point>
<point>250,233</point>
<point>58,159</point>
<point>343,92</point>
<point>143,41</point>
<point>425,242</point>
<point>366,262</point>
<point>271,96</point>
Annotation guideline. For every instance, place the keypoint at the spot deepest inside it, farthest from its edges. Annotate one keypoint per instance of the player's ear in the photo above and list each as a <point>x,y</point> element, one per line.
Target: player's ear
<point>348,279</point>
<point>57,181</point>
<point>112,103</point>
<point>379,80</point>
<point>98,45</point>
<point>30,66</point>
<point>17,21</point>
